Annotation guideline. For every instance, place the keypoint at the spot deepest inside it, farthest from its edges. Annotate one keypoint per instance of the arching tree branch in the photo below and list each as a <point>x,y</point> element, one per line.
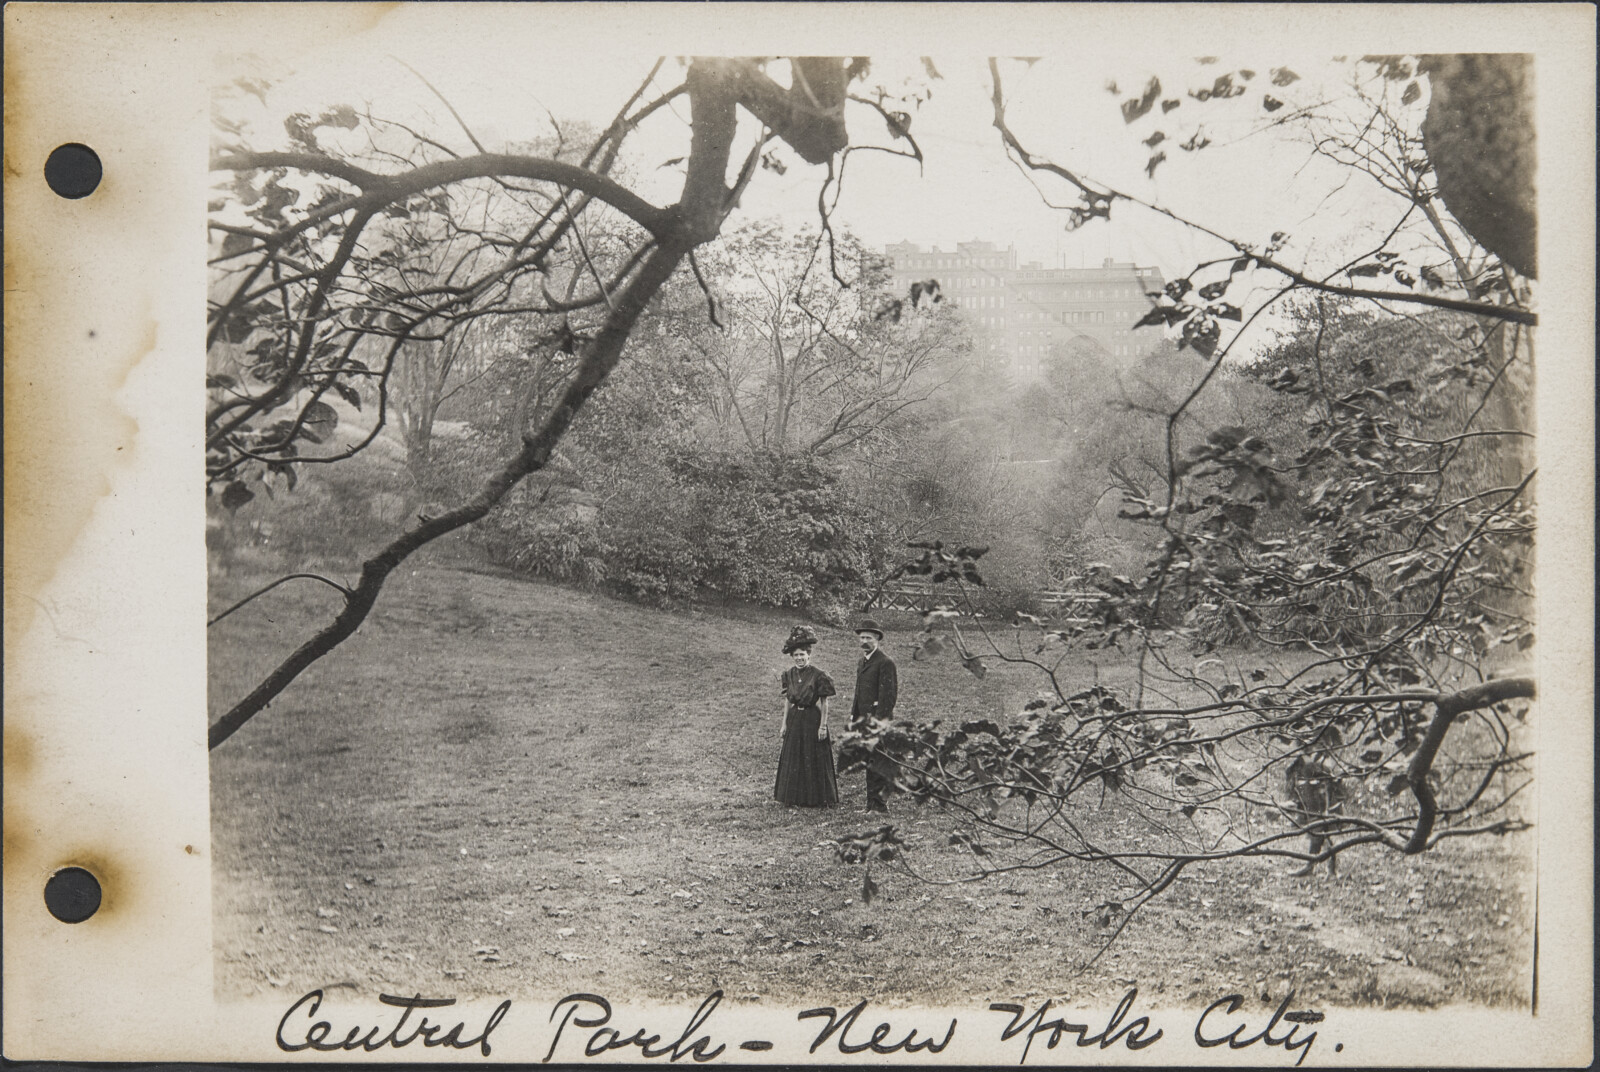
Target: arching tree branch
<point>383,189</point>
<point>1446,710</point>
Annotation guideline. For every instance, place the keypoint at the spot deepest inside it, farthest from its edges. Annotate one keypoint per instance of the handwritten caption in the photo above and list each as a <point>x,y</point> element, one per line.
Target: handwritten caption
<point>586,1026</point>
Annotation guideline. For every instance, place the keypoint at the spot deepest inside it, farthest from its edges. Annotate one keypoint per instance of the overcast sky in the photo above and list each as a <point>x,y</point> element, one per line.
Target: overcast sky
<point>498,68</point>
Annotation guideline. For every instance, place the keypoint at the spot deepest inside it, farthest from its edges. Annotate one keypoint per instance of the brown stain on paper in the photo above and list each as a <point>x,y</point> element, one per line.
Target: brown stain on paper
<point>64,433</point>
<point>62,442</point>
<point>112,876</point>
<point>20,753</point>
<point>32,855</point>
<point>81,280</point>
<point>70,346</point>
<point>21,758</point>
<point>63,430</point>
<point>17,845</point>
<point>376,12</point>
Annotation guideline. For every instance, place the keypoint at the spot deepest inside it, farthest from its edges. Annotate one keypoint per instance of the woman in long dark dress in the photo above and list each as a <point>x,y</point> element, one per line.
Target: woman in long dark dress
<point>805,766</point>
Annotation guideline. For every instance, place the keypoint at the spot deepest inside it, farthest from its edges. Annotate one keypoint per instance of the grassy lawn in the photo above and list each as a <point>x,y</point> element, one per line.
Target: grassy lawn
<point>504,787</point>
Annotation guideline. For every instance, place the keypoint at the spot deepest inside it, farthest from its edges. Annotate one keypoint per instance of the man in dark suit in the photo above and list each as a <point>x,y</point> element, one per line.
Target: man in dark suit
<point>876,688</point>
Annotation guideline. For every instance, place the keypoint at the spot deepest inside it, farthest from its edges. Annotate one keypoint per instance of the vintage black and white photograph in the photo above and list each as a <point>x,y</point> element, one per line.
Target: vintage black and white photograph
<point>625,560</point>
<point>1050,535</point>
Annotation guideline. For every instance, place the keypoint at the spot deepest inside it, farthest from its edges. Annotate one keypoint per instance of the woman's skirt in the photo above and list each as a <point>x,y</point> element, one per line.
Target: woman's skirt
<point>805,766</point>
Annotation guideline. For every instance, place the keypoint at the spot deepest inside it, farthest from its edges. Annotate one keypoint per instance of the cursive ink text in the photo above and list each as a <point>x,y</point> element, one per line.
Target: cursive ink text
<point>1230,1005</point>
<point>609,1038</point>
<point>877,1042</point>
<point>317,1032</point>
<point>1136,1033</point>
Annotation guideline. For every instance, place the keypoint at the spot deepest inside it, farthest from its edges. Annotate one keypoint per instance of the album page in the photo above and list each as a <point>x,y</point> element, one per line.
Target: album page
<point>799,533</point>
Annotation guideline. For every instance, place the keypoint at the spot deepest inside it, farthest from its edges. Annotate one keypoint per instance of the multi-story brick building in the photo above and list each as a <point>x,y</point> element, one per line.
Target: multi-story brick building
<point>1024,315</point>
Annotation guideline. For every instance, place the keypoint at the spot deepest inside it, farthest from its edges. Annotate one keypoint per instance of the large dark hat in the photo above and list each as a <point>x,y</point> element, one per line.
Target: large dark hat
<point>802,636</point>
<point>867,625</point>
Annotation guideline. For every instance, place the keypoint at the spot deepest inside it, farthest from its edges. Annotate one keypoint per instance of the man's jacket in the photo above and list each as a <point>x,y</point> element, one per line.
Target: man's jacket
<point>876,682</point>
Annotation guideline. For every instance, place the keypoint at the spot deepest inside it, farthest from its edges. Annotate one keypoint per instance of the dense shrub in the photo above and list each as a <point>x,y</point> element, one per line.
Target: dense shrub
<point>697,525</point>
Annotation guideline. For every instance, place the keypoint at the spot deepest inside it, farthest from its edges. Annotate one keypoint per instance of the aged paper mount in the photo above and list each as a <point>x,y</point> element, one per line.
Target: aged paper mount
<point>105,695</point>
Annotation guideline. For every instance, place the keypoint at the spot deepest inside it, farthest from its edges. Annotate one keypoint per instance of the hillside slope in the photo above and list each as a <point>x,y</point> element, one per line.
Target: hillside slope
<point>514,788</point>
